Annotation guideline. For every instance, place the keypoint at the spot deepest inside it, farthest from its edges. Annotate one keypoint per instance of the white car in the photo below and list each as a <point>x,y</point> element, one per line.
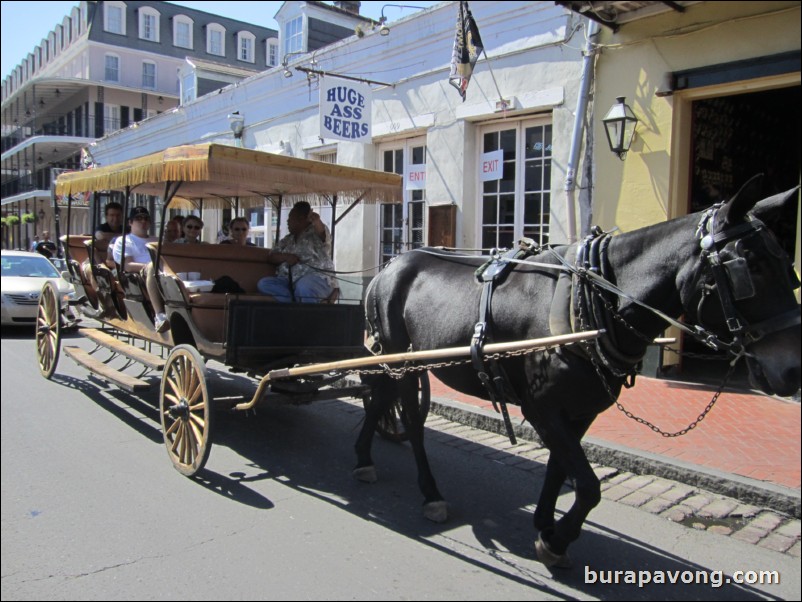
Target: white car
<point>23,276</point>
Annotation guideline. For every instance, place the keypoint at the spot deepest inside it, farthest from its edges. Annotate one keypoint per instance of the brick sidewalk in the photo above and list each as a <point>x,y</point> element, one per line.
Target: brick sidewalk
<point>750,435</point>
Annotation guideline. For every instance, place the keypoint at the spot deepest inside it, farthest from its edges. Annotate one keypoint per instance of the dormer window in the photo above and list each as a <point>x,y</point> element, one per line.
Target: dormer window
<point>149,24</point>
<point>294,35</point>
<point>216,39</point>
<point>114,17</point>
<point>272,52</point>
<point>182,31</point>
<point>246,42</point>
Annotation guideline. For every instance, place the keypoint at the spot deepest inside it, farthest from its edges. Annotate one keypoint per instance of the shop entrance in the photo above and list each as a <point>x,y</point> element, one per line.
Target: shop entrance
<point>735,138</point>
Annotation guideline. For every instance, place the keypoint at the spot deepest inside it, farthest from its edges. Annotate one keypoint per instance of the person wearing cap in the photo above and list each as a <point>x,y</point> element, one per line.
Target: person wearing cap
<point>137,259</point>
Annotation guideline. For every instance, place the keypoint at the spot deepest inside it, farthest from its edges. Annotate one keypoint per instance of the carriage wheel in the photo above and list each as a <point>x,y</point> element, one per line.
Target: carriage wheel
<point>48,330</point>
<point>186,411</point>
<point>390,425</point>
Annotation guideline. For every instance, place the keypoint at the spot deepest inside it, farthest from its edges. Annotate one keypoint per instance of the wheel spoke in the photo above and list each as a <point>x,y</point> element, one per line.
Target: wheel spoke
<point>172,428</point>
<point>197,420</point>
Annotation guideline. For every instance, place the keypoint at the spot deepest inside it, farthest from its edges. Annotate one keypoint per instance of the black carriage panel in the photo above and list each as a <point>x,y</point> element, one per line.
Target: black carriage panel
<point>270,335</point>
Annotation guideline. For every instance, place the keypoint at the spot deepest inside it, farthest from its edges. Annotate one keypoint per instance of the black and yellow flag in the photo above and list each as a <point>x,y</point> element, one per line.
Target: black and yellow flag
<point>467,48</point>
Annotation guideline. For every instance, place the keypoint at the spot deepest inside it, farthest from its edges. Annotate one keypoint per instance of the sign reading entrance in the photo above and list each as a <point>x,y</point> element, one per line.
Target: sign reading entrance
<point>345,110</point>
<point>415,177</point>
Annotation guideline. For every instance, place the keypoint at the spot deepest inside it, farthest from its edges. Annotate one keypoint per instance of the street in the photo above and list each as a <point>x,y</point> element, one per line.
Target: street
<point>92,509</point>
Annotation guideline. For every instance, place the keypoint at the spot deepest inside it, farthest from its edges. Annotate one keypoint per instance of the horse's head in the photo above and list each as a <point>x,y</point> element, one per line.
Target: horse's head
<point>744,289</point>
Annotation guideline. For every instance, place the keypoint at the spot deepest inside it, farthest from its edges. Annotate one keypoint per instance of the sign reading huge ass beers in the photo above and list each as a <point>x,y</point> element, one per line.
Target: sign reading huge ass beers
<point>345,111</point>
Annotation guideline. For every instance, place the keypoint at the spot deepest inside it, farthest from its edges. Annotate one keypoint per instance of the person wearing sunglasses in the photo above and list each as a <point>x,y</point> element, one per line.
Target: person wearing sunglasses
<point>193,226</point>
<point>238,233</point>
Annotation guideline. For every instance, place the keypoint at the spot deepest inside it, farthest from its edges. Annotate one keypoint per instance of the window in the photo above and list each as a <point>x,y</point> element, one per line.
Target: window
<point>188,87</point>
<point>114,17</point>
<point>112,72</point>
<point>148,75</point>
<point>294,35</point>
<point>272,53</point>
<point>216,39</point>
<point>182,32</point>
<point>149,24</point>
<point>402,225</point>
<point>111,118</point>
<point>246,42</point>
<point>518,204</point>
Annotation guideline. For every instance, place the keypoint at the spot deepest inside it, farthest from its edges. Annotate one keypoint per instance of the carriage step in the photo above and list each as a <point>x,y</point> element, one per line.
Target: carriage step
<point>124,381</point>
<point>154,362</point>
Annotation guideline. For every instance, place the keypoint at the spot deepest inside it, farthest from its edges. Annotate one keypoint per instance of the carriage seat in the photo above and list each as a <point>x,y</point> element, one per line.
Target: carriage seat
<point>76,246</point>
<point>246,265</point>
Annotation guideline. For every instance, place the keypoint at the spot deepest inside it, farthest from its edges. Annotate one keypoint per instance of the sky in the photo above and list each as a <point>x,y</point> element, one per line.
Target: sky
<point>24,24</point>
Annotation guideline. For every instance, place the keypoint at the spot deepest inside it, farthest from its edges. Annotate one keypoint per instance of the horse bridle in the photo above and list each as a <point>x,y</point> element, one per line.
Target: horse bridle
<point>733,281</point>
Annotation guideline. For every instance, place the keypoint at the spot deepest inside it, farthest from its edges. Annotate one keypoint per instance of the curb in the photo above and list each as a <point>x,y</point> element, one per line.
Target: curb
<point>743,489</point>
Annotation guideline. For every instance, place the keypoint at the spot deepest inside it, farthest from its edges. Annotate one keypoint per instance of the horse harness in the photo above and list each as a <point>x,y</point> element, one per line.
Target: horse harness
<point>586,295</point>
<point>733,282</point>
<point>491,373</point>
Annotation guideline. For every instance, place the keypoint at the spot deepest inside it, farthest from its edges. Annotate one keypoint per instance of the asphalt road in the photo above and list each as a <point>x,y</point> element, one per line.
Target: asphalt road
<point>92,509</point>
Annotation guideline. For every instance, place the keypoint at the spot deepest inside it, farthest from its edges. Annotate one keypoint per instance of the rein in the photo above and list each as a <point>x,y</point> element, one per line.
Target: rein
<point>732,283</point>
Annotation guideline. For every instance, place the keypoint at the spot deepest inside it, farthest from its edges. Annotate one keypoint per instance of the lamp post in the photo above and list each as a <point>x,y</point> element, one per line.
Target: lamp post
<point>619,125</point>
<point>384,30</point>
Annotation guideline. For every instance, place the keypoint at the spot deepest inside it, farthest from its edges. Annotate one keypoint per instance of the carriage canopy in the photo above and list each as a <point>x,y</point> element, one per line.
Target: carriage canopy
<point>216,174</point>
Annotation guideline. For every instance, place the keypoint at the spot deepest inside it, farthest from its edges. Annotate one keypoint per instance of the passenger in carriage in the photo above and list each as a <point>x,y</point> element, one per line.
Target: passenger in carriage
<point>172,230</point>
<point>238,231</point>
<point>193,226</point>
<point>109,230</point>
<point>137,259</point>
<point>306,250</point>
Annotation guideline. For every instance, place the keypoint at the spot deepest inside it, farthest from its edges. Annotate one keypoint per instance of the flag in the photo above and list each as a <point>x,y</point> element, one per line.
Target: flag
<point>467,48</point>
<point>87,160</point>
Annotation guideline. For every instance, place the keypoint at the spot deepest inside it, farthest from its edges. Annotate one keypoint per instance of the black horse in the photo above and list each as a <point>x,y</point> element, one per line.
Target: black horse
<point>724,270</point>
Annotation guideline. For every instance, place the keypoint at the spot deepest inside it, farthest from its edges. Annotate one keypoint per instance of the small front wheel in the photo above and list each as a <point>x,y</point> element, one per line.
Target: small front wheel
<point>48,330</point>
<point>185,407</point>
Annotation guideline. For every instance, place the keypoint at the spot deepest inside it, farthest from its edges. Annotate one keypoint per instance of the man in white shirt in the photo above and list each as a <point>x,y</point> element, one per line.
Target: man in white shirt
<point>137,259</point>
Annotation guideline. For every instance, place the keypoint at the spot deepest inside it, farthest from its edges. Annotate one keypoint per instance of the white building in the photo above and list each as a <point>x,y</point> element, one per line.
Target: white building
<point>521,99</point>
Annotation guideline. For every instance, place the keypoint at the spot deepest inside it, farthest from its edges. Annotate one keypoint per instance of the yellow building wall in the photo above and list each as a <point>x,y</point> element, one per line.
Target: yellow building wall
<point>651,184</point>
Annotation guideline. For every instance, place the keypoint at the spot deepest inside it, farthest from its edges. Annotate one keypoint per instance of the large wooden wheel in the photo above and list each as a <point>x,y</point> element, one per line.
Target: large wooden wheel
<point>390,425</point>
<point>186,412</point>
<point>48,330</point>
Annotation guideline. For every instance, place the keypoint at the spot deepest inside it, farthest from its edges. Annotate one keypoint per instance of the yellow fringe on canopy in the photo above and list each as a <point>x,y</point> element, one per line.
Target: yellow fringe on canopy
<point>219,176</point>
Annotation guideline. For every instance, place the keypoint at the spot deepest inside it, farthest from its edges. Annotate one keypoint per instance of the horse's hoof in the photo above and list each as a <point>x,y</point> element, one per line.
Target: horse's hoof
<point>436,511</point>
<point>366,474</point>
<point>549,558</point>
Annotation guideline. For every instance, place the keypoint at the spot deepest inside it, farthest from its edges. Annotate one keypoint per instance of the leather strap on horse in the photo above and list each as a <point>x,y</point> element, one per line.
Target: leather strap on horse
<point>491,373</point>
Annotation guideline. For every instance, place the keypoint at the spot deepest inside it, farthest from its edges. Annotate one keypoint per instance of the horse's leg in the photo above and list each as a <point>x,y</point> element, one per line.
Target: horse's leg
<point>562,437</point>
<point>543,516</point>
<point>383,394</point>
<point>434,506</point>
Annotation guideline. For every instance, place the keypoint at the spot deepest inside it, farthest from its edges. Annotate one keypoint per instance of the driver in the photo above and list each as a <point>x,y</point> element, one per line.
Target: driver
<point>306,250</point>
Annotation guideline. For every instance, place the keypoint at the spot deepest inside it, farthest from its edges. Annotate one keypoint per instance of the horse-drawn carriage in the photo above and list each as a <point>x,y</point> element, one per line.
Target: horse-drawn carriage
<point>246,331</point>
<point>722,269</point>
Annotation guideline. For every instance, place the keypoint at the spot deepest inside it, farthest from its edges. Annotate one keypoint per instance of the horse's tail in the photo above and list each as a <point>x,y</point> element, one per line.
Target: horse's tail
<point>372,316</point>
